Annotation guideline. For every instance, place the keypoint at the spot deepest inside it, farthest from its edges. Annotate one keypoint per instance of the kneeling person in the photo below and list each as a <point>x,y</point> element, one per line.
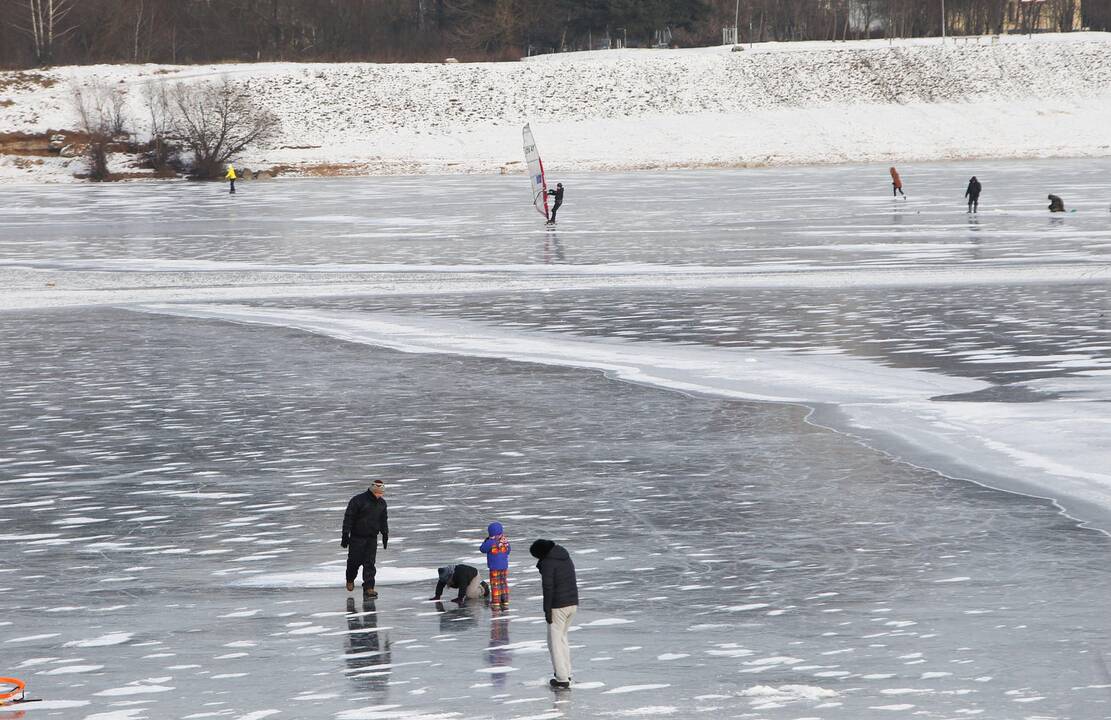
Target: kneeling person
<point>464,578</point>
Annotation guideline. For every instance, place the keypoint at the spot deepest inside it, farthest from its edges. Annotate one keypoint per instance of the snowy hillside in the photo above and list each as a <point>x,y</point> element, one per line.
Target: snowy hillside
<point>774,103</point>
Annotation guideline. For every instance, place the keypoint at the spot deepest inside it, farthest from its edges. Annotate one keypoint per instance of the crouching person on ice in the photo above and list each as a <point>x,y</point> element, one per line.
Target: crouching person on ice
<point>463,578</point>
<point>561,600</point>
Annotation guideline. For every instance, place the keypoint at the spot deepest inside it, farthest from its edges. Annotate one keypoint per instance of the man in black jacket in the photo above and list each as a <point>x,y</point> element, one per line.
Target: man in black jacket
<point>364,519</point>
<point>561,600</point>
<point>558,194</point>
<point>973,194</point>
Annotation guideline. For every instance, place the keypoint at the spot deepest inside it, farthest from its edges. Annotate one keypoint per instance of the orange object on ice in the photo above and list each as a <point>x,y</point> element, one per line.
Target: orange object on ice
<point>895,179</point>
<point>11,690</point>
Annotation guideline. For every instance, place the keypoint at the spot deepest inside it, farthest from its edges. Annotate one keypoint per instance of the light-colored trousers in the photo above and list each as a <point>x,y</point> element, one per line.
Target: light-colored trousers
<point>474,589</point>
<point>557,641</point>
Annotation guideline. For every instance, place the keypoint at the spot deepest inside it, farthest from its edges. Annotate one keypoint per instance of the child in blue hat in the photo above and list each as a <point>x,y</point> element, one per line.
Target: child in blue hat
<point>496,547</point>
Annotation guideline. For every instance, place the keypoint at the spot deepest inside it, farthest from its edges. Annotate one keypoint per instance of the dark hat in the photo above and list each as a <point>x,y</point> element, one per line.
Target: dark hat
<point>540,549</point>
<point>445,573</point>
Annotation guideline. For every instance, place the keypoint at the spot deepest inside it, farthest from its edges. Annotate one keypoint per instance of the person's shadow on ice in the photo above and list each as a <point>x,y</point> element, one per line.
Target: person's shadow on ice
<point>457,619</point>
<point>497,655</point>
<point>368,652</point>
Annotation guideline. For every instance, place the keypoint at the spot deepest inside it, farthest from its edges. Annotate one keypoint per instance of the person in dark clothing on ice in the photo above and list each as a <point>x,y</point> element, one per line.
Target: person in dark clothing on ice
<point>366,517</point>
<point>561,601</point>
<point>896,184</point>
<point>973,194</point>
<point>558,194</point>
<point>461,577</point>
<point>1056,204</point>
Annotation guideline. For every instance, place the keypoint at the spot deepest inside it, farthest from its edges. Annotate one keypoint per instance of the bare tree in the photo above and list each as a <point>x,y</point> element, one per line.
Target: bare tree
<point>163,150</point>
<point>101,116</point>
<point>1064,14</point>
<point>207,31</point>
<point>216,121</point>
<point>43,25</point>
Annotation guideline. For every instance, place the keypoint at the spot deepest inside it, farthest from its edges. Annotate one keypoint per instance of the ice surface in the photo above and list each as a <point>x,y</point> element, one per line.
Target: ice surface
<point>172,482</point>
<point>1055,448</point>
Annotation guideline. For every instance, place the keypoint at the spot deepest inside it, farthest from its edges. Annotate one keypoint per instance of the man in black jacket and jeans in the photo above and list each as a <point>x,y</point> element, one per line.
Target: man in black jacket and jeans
<point>561,600</point>
<point>364,519</point>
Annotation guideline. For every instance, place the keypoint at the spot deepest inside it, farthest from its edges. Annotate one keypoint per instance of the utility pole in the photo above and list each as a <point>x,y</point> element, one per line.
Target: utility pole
<point>942,22</point>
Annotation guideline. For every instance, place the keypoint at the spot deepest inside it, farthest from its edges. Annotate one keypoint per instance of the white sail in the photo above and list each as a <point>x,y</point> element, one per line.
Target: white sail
<point>536,173</point>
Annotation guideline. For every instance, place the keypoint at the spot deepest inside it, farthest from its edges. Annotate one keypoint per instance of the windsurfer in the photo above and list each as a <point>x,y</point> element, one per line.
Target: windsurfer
<point>558,194</point>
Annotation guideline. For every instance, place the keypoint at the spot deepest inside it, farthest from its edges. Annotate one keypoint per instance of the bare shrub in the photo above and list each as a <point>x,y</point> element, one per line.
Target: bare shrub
<point>163,149</point>
<point>216,121</point>
<point>102,117</point>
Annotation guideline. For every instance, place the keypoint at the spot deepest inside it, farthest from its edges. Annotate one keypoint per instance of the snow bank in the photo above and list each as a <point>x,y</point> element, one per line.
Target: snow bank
<point>775,103</point>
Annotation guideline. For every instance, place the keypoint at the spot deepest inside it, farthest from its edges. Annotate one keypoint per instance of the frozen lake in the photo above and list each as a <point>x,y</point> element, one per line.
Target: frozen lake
<point>764,410</point>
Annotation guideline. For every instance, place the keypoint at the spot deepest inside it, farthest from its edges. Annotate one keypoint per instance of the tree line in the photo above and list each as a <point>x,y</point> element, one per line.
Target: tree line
<point>54,32</point>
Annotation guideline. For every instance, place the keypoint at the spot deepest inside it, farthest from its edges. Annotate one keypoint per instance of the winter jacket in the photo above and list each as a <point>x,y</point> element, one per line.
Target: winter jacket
<point>366,517</point>
<point>496,547</point>
<point>895,179</point>
<point>1056,204</point>
<point>973,191</point>
<point>231,174</point>
<point>558,193</point>
<point>557,578</point>
<point>455,576</point>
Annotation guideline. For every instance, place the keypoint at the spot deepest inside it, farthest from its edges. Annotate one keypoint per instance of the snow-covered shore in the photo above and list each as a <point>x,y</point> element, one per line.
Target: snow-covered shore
<point>770,104</point>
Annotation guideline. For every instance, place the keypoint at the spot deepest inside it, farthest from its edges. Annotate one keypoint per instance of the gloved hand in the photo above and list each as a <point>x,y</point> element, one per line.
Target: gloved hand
<point>548,617</point>
<point>345,541</point>
<point>384,541</point>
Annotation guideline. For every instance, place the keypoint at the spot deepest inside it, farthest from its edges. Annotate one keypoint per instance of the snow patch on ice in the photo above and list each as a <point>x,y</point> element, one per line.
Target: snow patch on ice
<point>116,638</point>
<point>788,693</point>
<point>71,669</point>
<point>328,576</point>
<point>607,621</point>
<point>635,688</point>
<point>393,712</point>
<point>648,711</point>
<point>137,688</point>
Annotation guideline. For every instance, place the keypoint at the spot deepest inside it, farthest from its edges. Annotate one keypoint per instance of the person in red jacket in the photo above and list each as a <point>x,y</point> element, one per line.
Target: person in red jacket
<point>896,184</point>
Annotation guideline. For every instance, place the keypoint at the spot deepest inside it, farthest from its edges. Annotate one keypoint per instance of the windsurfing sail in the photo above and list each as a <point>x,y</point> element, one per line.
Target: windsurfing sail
<point>536,173</point>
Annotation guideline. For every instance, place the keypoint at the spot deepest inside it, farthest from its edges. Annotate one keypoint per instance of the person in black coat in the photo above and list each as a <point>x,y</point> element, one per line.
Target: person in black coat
<point>558,195</point>
<point>463,578</point>
<point>561,601</point>
<point>973,194</point>
<point>366,517</point>
<point>1056,204</point>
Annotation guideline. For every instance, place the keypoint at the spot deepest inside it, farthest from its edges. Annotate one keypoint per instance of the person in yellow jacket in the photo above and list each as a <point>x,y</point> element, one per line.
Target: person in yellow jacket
<point>230,177</point>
